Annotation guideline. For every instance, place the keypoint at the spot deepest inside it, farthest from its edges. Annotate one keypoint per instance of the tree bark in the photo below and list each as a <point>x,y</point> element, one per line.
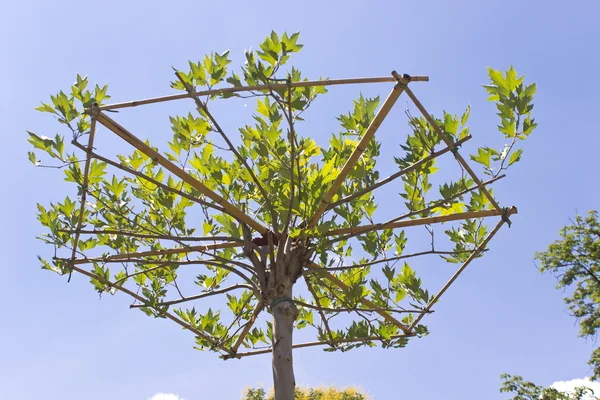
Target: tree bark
<point>284,315</point>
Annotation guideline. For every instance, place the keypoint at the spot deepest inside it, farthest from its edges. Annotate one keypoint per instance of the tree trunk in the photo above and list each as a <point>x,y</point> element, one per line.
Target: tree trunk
<point>284,315</point>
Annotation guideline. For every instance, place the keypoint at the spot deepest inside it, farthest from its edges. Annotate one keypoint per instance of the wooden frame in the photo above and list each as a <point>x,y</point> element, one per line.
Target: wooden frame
<point>217,202</point>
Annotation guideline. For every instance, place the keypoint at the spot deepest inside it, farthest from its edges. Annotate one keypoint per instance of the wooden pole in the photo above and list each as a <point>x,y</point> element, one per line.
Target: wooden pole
<point>460,270</point>
<point>360,148</point>
<point>421,221</point>
<point>86,170</point>
<point>273,86</point>
<point>166,314</point>
<point>180,250</point>
<point>181,174</point>
<point>326,342</point>
<point>448,142</point>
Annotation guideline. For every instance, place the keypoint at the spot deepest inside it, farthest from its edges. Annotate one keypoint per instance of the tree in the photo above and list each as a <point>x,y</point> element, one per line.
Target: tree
<point>327,393</point>
<point>575,261</point>
<point>524,390</point>
<point>279,216</point>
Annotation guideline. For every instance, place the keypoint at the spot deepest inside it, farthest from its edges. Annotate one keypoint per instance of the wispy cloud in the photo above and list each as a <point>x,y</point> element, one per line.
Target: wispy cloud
<point>165,396</point>
<point>569,386</point>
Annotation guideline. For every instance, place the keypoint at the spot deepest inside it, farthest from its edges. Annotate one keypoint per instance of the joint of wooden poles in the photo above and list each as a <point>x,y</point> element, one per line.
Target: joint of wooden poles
<point>219,203</point>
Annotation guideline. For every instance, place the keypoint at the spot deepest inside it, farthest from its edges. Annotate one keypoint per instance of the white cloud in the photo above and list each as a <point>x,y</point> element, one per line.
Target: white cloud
<point>569,386</point>
<point>165,396</point>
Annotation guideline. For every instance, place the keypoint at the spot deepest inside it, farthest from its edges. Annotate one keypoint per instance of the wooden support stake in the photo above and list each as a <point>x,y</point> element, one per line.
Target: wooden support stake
<point>398,174</point>
<point>360,148</point>
<point>310,344</point>
<point>181,174</point>
<point>274,86</point>
<point>86,170</point>
<point>180,250</point>
<point>460,270</point>
<point>421,221</point>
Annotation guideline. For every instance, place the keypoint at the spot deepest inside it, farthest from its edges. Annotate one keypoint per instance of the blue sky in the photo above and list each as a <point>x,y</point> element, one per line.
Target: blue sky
<point>59,341</point>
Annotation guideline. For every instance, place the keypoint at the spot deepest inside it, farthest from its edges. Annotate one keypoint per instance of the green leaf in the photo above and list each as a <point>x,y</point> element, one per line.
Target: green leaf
<point>516,156</point>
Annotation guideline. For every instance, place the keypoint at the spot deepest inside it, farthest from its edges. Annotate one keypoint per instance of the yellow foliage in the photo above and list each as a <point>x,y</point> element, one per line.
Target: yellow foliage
<point>320,393</point>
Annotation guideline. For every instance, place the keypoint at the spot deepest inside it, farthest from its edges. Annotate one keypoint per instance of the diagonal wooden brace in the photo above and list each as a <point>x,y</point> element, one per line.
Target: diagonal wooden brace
<point>360,148</point>
<point>181,174</point>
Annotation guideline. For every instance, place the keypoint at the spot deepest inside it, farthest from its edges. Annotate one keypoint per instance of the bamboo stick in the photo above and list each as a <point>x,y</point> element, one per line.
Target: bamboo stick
<point>398,174</point>
<point>149,179</point>
<point>151,236</point>
<point>86,171</point>
<point>460,270</point>
<point>360,148</point>
<point>249,324</point>
<point>448,142</point>
<point>158,158</point>
<point>141,299</point>
<point>274,86</point>
<point>338,282</point>
<point>323,343</point>
<point>179,250</point>
<point>421,221</point>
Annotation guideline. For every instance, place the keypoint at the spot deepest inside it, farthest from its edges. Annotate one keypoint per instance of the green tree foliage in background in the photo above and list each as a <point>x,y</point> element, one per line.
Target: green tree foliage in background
<point>574,260</point>
<point>524,390</point>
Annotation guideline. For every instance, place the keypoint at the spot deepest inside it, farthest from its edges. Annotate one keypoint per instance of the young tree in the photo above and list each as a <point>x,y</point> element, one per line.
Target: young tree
<point>272,220</point>
<point>524,390</point>
<point>575,261</point>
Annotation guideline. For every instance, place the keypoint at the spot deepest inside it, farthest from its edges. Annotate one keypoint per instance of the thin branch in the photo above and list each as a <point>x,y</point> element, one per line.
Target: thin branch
<point>198,296</point>
<point>143,300</point>
<point>165,263</point>
<point>317,300</point>
<point>474,255</point>
<point>339,283</point>
<point>203,108</point>
<point>441,202</point>
<point>149,179</point>
<point>398,174</point>
<point>448,141</point>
